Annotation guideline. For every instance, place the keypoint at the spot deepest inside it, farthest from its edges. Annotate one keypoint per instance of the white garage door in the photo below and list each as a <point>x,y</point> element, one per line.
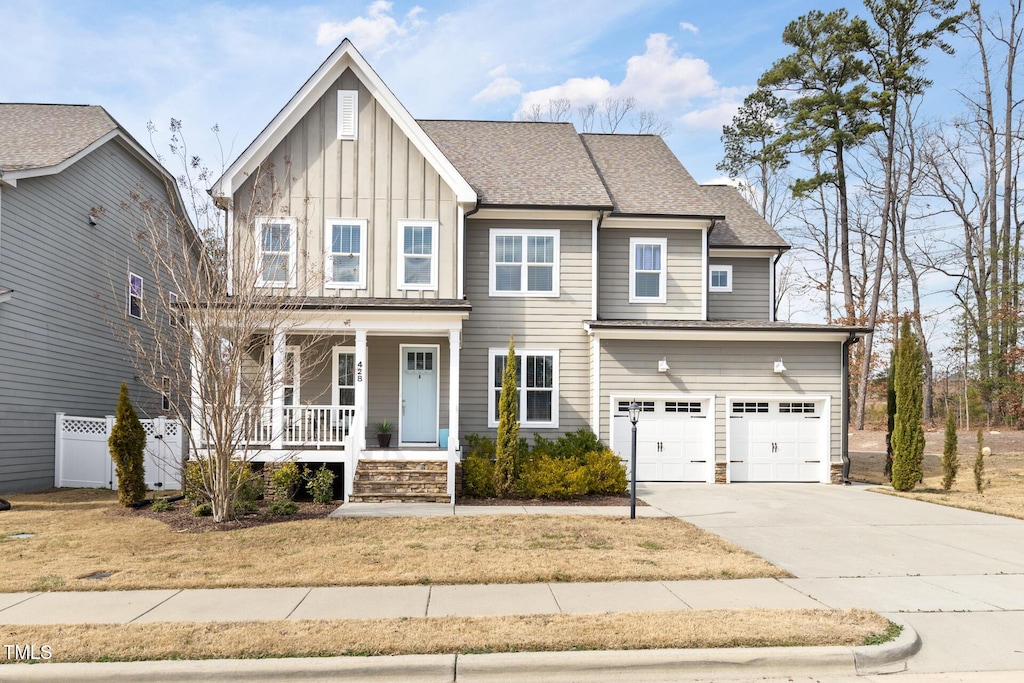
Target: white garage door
<point>776,440</point>
<point>672,439</point>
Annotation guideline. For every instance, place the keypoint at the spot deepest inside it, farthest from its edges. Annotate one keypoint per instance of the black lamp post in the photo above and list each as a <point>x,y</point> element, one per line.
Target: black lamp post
<point>634,415</point>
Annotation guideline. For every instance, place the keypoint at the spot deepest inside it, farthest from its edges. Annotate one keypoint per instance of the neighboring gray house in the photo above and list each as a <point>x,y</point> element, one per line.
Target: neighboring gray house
<point>418,247</point>
<point>68,267</point>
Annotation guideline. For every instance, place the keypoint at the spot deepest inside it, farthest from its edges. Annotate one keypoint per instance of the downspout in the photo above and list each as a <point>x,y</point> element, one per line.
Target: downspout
<point>462,238</point>
<point>706,265</point>
<point>775,285</point>
<point>845,438</point>
<point>594,262</point>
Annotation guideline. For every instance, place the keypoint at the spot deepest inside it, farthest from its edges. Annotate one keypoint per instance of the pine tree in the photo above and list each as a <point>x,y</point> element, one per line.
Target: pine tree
<point>506,458</point>
<point>908,432</point>
<point>127,444</point>
<point>950,461</point>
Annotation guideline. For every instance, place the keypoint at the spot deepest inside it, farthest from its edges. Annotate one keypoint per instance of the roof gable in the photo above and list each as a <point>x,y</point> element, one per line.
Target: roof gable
<point>743,225</point>
<point>39,139</point>
<point>344,57</point>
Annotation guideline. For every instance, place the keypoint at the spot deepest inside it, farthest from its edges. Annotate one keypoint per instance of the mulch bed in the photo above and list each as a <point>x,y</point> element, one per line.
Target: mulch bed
<point>181,519</point>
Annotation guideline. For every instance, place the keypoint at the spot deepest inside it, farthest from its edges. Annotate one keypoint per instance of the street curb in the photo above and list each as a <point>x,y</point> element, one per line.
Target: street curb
<point>551,667</point>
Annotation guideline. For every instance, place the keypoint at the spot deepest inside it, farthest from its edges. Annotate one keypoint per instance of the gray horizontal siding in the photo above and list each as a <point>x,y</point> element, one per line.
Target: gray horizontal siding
<point>538,323</point>
<point>683,291</point>
<point>751,295</point>
<point>58,348</point>
<point>731,368</point>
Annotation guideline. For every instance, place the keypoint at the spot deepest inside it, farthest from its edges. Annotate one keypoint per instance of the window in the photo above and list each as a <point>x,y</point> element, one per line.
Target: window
<point>789,407</point>
<point>537,379</point>
<point>524,263</point>
<point>683,407</point>
<point>345,377</point>
<point>645,406</point>
<point>344,267</point>
<point>165,393</point>
<point>348,114</point>
<point>417,264</point>
<point>750,407</point>
<point>647,270</point>
<point>288,377</point>
<point>134,300</point>
<point>275,252</point>
<point>177,318</point>
<point>721,279</point>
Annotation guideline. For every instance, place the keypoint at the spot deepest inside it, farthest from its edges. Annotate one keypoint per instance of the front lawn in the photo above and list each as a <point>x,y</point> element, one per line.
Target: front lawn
<point>81,533</point>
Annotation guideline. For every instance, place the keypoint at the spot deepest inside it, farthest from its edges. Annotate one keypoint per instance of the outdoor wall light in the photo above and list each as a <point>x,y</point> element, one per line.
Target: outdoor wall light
<point>779,367</point>
<point>663,365</point>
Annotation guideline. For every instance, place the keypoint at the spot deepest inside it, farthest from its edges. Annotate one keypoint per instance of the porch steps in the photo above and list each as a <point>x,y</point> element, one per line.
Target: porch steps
<point>400,481</point>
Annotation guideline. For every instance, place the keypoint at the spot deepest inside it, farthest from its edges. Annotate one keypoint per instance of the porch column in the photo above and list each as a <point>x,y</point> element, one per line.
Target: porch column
<point>277,392</point>
<point>196,353</point>
<point>454,352</point>
<point>362,419</point>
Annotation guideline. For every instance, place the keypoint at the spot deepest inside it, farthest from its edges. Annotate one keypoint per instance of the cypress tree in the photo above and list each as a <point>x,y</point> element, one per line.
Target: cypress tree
<point>979,464</point>
<point>127,444</point>
<point>506,457</point>
<point>908,432</point>
<point>890,413</point>
<point>950,461</point>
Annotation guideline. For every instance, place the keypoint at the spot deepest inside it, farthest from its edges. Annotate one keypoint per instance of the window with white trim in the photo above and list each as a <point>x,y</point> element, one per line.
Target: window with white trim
<point>524,262</point>
<point>275,252</point>
<point>344,376</point>
<point>720,279</point>
<point>417,261</point>
<point>344,240</point>
<point>647,269</point>
<point>348,114</point>
<point>133,302</point>
<point>537,382</point>
<point>165,393</point>
<point>288,377</point>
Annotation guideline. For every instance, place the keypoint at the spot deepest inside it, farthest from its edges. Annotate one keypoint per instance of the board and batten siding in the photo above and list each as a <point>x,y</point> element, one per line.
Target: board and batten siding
<point>682,279</point>
<point>751,295</point>
<point>723,368</point>
<point>58,348</point>
<point>380,177</point>
<point>537,323</point>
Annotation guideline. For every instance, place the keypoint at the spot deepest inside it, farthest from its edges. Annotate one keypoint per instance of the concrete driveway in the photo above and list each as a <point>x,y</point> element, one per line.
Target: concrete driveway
<point>957,576</point>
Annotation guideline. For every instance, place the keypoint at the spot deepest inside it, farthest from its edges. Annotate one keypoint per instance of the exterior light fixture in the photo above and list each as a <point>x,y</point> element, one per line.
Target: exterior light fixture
<point>634,416</point>
<point>779,367</point>
<point>663,365</point>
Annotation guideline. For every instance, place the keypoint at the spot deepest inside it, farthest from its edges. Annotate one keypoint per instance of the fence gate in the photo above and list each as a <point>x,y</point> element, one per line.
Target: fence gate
<point>83,457</point>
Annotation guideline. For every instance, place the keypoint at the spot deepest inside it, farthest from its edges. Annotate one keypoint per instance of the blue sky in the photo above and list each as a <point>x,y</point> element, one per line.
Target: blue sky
<point>235,63</point>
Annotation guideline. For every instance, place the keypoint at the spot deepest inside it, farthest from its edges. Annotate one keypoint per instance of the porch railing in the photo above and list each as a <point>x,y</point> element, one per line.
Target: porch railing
<point>303,425</point>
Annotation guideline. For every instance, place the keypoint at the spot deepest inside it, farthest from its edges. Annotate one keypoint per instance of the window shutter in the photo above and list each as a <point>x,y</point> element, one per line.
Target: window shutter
<point>348,106</point>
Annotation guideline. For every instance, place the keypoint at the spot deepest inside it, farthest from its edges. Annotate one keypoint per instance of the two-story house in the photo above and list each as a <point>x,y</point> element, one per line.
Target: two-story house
<point>414,249</point>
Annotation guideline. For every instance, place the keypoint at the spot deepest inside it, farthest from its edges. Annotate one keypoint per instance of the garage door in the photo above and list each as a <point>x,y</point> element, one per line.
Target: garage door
<point>776,440</point>
<point>672,439</point>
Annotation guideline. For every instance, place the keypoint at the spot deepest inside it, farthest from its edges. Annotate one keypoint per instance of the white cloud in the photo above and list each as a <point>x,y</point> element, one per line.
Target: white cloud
<point>579,91</point>
<point>499,89</point>
<point>687,26</point>
<point>374,33</point>
<point>710,118</point>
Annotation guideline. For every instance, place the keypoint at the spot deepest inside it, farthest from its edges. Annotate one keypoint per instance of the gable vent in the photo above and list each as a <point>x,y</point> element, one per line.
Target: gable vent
<point>348,107</point>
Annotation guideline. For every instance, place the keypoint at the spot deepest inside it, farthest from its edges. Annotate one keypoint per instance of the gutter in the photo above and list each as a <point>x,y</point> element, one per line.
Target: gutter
<point>775,284</point>
<point>844,447</point>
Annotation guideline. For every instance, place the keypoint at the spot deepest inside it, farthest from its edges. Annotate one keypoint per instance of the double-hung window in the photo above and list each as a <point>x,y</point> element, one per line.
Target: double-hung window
<point>345,263</point>
<point>524,263</point>
<point>417,260</point>
<point>275,252</point>
<point>720,279</point>
<point>647,270</point>
<point>133,303</point>
<point>537,383</point>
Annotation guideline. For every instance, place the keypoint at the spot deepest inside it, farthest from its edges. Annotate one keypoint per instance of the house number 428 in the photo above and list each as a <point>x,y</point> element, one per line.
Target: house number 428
<point>359,371</point>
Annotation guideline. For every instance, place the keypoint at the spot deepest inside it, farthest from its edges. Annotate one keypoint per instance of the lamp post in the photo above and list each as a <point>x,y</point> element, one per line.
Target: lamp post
<point>634,415</point>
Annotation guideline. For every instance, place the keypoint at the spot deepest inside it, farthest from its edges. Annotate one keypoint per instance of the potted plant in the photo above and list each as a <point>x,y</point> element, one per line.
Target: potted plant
<point>383,429</point>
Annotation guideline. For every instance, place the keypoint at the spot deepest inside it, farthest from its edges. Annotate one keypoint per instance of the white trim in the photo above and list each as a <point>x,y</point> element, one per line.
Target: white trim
<point>336,350</point>
<point>655,222</point>
<point>344,57</point>
<point>524,234</point>
<point>329,255</point>
<point>454,388</point>
<point>704,275</point>
<point>520,352</point>
<point>719,268</point>
<point>593,268</point>
<point>229,240</point>
<point>738,334</point>
<point>401,255</point>
<point>662,244</point>
<point>293,240</point>
<point>401,390</point>
<point>721,252</point>
<point>348,114</point>
<point>538,214</point>
<point>771,289</point>
<point>825,427</point>
<point>595,385</point>
<point>460,256</point>
<point>296,383</point>
<point>129,295</point>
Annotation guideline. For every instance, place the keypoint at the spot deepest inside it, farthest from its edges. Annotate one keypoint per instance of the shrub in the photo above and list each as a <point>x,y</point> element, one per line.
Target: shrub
<point>283,507</point>
<point>202,510</point>
<point>908,433</point>
<point>576,445</point>
<point>248,485</point>
<point>979,464</point>
<point>507,452</point>
<point>161,505</point>
<point>544,476</point>
<point>285,480</point>
<point>320,484</point>
<point>478,467</point>
<point>950,461</point>
<point>605,473</point>
<point>127,444</point>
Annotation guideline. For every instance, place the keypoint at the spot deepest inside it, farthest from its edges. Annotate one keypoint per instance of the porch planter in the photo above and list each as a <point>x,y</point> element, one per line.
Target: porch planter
<point>384,440</point>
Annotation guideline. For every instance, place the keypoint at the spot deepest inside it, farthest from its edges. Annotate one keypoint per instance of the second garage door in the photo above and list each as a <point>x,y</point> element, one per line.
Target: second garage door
<point>777,440</point>
<point>674,440</point>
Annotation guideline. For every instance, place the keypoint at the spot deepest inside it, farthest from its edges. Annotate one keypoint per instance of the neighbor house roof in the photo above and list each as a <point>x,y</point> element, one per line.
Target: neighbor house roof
<point>35,136</point>
<point>521,163</point>
<point>644,177</point>
<point>743,225</point>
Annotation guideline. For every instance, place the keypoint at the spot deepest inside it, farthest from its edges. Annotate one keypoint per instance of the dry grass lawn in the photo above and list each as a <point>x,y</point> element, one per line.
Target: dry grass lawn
<point>77,534</point>
<point>687,629</point>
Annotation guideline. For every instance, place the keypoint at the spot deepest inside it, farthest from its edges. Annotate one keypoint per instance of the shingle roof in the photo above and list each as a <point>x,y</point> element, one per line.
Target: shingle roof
<point>519,163</point>
<point>743,225</point>
<point>42,135</point>
<point>644,177</point>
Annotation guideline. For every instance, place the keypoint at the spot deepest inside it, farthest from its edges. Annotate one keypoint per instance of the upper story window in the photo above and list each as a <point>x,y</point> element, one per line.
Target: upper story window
<point>537,382</point>
<point>133,303</point>
<point>345,264</point>
<point>524,263</point>
<point>417,262</point>
<point>647,269</point>
<point>348,114</point>
<point>721,279</point>
<point>275,252</point>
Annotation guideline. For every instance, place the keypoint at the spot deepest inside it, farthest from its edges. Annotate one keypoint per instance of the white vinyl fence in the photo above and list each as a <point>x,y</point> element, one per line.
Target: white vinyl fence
<point>83,457</point>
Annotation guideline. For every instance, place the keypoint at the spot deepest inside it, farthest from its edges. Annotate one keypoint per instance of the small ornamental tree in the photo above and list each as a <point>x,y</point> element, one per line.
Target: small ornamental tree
<point>890,413</point>
<point>908,432</point>
<point>127,444</point>
<point>979,464</point>
<point>950,461</point>
<point>506,456</point>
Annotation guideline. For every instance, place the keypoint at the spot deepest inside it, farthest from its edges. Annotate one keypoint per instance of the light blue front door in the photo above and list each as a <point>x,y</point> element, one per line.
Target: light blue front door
<point>419,395</point>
